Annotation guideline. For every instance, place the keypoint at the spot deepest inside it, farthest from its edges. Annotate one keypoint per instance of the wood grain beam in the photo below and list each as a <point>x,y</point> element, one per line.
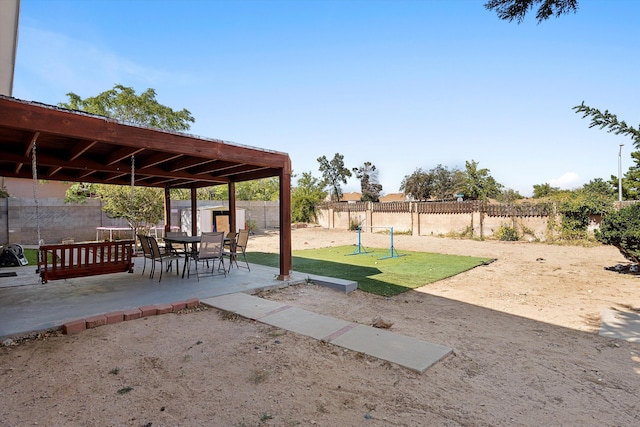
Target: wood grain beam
<point>121,154</point>
<point>79,149</point>
<point>158,159</point>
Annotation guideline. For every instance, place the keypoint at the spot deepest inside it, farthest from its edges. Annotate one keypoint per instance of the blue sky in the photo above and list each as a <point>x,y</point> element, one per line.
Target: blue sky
<point>401,84</point>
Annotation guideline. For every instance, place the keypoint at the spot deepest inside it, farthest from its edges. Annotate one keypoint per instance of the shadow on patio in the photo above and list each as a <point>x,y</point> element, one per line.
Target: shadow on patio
<point>26,305</point>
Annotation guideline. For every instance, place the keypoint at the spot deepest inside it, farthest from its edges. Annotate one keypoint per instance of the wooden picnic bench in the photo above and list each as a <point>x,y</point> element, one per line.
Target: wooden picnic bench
<point>65,261</point>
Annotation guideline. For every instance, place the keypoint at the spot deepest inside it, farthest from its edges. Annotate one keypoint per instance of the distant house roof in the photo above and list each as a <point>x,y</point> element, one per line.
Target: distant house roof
<point>351,197</point>
<point>393,197</point>
<point>346,197</point>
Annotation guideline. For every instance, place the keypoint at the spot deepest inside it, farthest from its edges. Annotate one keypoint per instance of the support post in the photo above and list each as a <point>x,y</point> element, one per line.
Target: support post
<point>285,221</point>
<point>167,210</point>
<point>232,207</point>
<point>194,212</point>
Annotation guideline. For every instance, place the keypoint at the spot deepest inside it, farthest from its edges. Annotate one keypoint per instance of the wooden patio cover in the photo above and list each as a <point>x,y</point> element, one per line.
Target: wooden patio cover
<point>78,147</point>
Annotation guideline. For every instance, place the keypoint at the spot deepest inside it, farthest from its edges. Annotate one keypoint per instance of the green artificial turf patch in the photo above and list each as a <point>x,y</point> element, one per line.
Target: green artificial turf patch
<point>375,271</point>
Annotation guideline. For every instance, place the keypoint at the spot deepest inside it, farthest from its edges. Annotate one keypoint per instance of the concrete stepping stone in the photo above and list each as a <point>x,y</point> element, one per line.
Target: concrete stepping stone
<point>405,351</point>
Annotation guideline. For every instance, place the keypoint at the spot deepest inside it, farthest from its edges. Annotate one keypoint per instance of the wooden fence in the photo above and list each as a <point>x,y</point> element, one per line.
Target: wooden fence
<point>478,218</point>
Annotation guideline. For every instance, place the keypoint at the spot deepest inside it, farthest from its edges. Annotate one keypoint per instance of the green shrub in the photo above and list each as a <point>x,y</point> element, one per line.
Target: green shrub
<point>621,229</point>
<point>575,208</point>
<point>251,225</point>
<point>507,234</point>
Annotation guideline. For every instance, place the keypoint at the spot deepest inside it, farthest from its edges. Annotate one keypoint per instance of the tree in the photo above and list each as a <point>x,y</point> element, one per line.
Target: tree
<point>599,186</point>
<point>334,173</point>
<point>145,206</point>
<point>123,104</point>
<point>479,184</point>
<point>446,183</point>
<point>621,229</point>
<point>509,195</point>
<point>418,185</point>
<point>610,122</point>
<point>216,192</point>
<point>369,186</point>
<point>79,192</point>
<point>630,180</point>
<point>544,190</point>
<point>266,189</point>
<point>509,10</point>
<point>306,197</point>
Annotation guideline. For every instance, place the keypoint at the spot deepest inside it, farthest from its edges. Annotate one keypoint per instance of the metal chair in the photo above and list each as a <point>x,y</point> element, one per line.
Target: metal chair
<point>163,257</point>
<point>211,249</point>
<point>239,248</point>
<point>146,250</point>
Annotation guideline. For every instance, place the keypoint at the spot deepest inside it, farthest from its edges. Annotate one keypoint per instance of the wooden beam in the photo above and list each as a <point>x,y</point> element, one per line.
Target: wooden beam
<point>242,169</point>
<point>84,164</point>
<point>158,159</point>
<point>79,149</point>
<point>188,163</point>
<point>53,171</point>
<point>215,167</point>
<point>34,139</point>
<point>28,151</point>
<point>121,154</point>
<point>38,118</point>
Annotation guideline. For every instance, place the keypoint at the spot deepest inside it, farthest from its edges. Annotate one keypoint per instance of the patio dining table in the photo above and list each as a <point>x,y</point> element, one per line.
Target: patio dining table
<point>186,240</point>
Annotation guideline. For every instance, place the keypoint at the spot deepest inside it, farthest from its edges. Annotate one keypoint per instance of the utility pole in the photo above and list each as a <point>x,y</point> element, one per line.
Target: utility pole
<point>620,173</point>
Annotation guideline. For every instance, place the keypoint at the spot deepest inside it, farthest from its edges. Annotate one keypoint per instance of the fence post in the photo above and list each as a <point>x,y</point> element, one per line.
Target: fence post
<point>483,210</point>
<point>415,219</point>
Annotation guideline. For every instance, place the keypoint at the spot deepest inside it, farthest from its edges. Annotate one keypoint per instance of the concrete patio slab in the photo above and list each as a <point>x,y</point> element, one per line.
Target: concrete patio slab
<point>622,325</point>
<point>27,306</point>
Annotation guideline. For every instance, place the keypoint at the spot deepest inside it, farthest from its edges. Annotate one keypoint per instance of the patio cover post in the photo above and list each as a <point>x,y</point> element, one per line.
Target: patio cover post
<point>194,212</point>
<point>167,210</point>
<point>232,206</point>
<point>285,221</point>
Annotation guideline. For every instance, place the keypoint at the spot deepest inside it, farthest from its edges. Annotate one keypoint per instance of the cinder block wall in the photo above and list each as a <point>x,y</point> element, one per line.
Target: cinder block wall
<point>56,220</point>
<point>265,215</point>
<point>19,218</point>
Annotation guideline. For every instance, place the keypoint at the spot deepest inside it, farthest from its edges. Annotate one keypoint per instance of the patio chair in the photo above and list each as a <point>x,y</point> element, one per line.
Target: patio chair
<point>239,248</point>
<point>211,249</point>
<point>176,251</point>
<point>230,240</point>
<point>165,258</point>
<point>146,250</point>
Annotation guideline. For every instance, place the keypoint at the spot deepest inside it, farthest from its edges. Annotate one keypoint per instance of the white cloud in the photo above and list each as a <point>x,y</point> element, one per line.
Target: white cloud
<point>568,181</point>
<point>67,64</point>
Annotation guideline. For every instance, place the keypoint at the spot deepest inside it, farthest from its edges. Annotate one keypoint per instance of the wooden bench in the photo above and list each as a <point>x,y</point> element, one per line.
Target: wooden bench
<point>65,261</point>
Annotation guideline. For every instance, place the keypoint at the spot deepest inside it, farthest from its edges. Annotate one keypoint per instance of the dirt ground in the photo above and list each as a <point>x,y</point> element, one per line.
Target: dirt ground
<point>523,330</point>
